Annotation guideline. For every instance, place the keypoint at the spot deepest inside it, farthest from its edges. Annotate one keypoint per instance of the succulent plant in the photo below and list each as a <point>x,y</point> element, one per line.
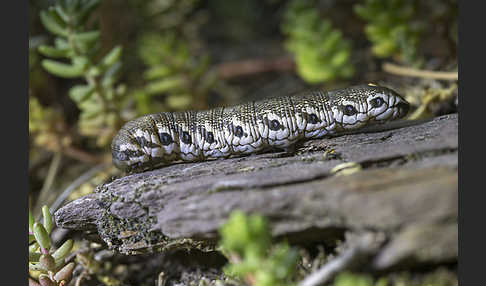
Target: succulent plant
<point>43,258</point>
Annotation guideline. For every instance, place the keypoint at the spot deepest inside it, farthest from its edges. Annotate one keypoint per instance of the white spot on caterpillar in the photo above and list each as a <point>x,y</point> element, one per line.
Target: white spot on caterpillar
<point>280,134</point>
<point>385,114</point>
<point>375,111</point>
<point>128,146</point>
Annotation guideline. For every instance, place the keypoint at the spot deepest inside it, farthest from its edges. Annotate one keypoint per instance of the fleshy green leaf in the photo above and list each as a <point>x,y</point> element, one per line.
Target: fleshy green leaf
<point>53,52</point>
<point>80,93</point>
<point>157,72</point>
<point>41,236</point>
<point>112,57</point>
<point>47,219</point>
<point>31,222</point>
<point>87,38</point>
<point>179,101</point>
<point>62,69</point>
<point>112,74</point>
<point>61,43</point>
<point>165,85</point>
<point>65,273</point>
<point>64,250</point>
<point>53,24</point>
<point>62,13</point>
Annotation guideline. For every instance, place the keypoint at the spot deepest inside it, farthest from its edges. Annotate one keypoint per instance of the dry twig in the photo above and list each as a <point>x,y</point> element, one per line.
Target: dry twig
<point>407,71</point>
<point>363,247</point>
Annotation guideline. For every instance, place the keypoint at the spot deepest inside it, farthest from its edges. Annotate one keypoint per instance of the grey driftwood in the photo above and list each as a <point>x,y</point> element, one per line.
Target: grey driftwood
<point>407,190</point>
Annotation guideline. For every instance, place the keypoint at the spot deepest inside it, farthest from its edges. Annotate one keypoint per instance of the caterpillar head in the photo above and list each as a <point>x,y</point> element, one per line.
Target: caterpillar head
<point>366,104</point>
<point>132,149</point>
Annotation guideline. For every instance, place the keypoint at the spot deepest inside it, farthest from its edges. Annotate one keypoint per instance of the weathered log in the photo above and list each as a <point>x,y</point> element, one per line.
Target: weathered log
<point>407,189</point>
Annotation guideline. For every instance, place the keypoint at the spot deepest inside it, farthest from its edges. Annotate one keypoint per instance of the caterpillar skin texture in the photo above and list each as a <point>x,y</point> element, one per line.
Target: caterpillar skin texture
<point>160,139</point>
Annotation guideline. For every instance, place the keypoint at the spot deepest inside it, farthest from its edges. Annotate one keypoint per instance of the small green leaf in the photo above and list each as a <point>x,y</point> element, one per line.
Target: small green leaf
<point>165,85</point>
<point>112,74</point>
<point>42,236</point>
<point>340,58</point>
<point>179,101</point>
<point>61,44</point>
<point>47,219</point>
<point>53,52</point>
<point>62,13</point>
<point>94,71</point>
<point>31,222</point>
<point>80,93</point>
<point>53,24</point>
<point>62,69</point>
<point>112,57</point>
<point>87,37</point>
<point>157,72</point>
<point>64,250</point>
<point>65,273</point>
<point>85,41</point>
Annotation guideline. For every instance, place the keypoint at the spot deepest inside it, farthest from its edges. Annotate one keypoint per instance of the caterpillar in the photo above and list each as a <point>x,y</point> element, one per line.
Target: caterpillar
<point>160,139</point>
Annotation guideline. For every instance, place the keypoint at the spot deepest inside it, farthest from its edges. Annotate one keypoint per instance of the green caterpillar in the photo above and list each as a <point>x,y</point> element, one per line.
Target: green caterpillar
<point>160,139</point>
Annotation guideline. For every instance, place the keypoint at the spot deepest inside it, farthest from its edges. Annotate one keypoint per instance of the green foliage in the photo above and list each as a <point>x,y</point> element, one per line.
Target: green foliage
<point>50,265</point>
<point>177,75</point>
<point>321,52</point>
<point>46,126</point>
<point>99,99</point>
<point>173,72</point>
<point>390,28</point>
<point>247,241</point>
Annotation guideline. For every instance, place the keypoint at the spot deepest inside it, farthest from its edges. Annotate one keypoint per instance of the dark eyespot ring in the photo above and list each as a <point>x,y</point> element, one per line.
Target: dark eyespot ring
<point>186,137</point>
<point>313,119</point>
<point>165,139</point>
<point>349,110</point>
<point>238,131</point>
<point>210,137</point>
<point>377,102</point>
<point>274,125</point>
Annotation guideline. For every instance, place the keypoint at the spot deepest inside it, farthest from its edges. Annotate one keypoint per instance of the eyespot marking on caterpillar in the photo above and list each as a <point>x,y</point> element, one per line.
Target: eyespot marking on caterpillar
<point>239,131</point>
<point>165,139</point>
<point>274,125</point>
<point>313,119</point>
<point>186,138</point>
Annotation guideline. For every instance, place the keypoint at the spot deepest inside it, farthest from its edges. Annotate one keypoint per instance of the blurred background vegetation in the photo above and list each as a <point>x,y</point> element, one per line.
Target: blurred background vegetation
<point>95,64</point>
